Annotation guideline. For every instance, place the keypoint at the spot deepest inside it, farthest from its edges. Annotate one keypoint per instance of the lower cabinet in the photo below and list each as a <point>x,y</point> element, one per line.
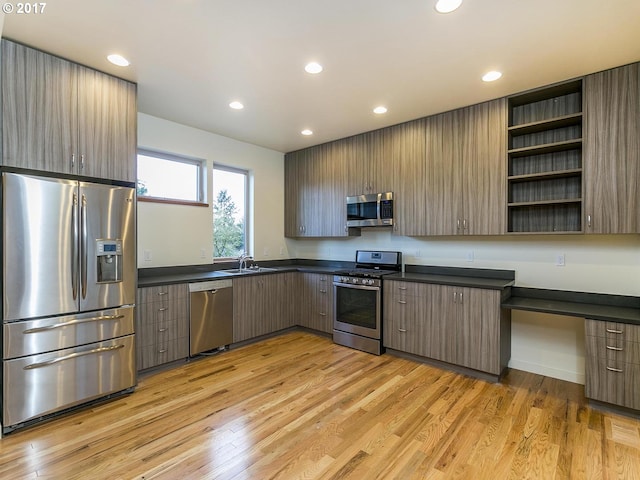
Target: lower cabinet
<point>315,301</point>
<point>458,325</point>
<point>262,304</point>
<point>162,325</point>
<point>612,363</point>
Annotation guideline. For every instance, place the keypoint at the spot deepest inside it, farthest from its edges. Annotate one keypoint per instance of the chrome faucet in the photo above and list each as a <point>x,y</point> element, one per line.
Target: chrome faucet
<point>242,259</point>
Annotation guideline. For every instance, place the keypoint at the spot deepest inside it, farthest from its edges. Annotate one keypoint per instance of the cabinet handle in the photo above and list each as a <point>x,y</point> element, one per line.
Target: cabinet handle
<point>461,298</point>
<point>615,349</point>
<point>402,302</point>
<point>402,330</point>
<point>464,224</point>
<point>73,161</point>
<point>458,225</point>
<point>402,288</point>
<point>323,291</point>
<point>162,293</point>
<point>617,370</point>
<point>618,332</point>
<point>455,297</point>
<point>82,162</point>
<point>322,314</point>
<point>161,330</point>
<point>162,309</point>
<point>162,351</point>
<point>589,221</point>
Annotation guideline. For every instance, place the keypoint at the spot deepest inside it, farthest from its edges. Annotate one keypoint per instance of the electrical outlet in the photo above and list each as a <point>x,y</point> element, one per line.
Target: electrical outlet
<point>418,253</point>
<point>265,251</point>
<point>560,260</point>
<point>282,251</point>
<point>203,253</point>
<point>469,256</point>
<point>148,256</point>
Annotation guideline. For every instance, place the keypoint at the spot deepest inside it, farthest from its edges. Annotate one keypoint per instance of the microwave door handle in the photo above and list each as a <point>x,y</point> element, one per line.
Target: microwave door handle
<point>378,202</point>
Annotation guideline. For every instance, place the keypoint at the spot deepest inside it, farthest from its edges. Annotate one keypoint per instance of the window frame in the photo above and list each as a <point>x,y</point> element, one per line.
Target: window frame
<point>248,246</point>
<point>201,181</point>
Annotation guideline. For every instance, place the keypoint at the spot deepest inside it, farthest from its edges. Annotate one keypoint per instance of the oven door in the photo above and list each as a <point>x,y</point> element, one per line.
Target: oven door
<point>357,309</point>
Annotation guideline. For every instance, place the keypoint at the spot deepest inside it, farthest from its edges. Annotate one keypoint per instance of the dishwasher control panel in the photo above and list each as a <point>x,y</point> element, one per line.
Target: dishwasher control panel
<point>210,285</point>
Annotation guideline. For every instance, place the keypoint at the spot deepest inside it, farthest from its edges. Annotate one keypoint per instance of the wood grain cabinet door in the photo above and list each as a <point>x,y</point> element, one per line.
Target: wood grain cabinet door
<point>478,330</point>
<point>107,112</point>
<point>612,151</point>
<point>39,106</point>
<point>484,169</point>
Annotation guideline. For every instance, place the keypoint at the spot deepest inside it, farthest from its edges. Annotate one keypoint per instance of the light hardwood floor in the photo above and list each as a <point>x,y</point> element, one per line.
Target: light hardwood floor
<point>298,406</point>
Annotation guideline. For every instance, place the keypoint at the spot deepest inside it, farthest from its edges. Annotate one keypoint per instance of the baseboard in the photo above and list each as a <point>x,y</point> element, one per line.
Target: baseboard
<point>573,377</point>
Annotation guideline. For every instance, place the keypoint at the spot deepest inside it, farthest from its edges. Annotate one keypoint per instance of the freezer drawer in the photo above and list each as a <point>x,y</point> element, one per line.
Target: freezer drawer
<point>42,384</point>
<point>54,333</point>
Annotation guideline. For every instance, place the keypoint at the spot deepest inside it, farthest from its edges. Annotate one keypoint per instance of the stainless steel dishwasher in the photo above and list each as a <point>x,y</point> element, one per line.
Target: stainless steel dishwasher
<point>211,315</point>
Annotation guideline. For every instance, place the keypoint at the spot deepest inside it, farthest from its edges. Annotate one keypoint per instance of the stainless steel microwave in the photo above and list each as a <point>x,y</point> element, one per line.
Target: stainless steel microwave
<point>370,210</point>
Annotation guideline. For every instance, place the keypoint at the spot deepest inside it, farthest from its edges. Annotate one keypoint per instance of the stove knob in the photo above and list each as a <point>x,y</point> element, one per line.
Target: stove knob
<point>369,282</point>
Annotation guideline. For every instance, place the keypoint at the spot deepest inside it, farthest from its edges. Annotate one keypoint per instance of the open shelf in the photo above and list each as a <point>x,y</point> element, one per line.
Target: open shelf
<point>544,158</point>
<point>571,120</point>
<point>545,202</point>
<point>545,175</point>
<point>546,148</point>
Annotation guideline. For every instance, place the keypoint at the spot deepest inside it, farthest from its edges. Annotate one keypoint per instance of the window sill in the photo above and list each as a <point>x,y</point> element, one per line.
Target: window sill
<point>172,201</point>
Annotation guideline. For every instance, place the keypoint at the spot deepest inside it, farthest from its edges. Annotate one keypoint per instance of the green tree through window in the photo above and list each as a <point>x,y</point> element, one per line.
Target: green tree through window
<point>230,212</point>
<point>228,239</point>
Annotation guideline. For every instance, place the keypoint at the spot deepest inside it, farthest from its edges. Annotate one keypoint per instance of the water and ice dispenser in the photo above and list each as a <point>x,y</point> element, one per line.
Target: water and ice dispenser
<point>109,260</point>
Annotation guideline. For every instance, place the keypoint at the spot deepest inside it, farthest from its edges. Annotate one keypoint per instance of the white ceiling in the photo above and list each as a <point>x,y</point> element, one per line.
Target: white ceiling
<point>190,58</point>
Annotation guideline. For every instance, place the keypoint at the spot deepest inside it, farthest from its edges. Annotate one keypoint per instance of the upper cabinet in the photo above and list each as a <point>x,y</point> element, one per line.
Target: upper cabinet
<point>61,117</point>
<point>612,151</point>
<point>404,147</point>
<point>315,191</point>
<point>369,169</point>
<point>545,160</point>
<point>464,171</point>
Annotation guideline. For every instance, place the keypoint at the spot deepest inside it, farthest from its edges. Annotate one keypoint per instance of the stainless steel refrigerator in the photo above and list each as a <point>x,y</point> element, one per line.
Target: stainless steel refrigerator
<point>68,294</point>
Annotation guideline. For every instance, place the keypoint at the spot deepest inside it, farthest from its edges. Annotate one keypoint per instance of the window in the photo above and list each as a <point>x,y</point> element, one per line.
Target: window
<point>230,205</point>
<point>164,177</point>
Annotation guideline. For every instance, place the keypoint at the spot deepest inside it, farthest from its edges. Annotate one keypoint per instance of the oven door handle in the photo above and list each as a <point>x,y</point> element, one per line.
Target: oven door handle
<point>355,287</point>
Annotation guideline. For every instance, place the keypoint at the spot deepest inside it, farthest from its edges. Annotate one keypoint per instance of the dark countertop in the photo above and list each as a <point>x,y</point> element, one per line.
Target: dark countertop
<point>595,306</point>
<point>462,277</point>
<point>172,275</point>
<point>455,280</point>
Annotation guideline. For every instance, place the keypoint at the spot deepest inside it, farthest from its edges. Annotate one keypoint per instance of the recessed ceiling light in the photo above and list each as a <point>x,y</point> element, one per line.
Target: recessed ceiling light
<point>491,76</point>
<point>306,131</point>
<point>380,110</point>
<point>118,60</point>
<point>236,105</point>
<point>313,67</point>
<point>447,6</point>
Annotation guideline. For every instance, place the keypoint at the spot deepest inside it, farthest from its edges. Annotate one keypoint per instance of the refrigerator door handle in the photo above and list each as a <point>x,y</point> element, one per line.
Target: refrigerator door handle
<point>74,248</point>
<point>72,355</point>
<point>83,250</point>
<point>72,322</point>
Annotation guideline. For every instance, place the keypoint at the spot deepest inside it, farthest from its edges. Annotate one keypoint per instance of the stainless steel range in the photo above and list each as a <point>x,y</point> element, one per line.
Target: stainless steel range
<point>358,300</point>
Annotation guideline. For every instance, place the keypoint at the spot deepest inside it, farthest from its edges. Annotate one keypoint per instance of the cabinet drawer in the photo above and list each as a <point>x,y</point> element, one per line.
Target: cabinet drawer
<point>613,349</point>
<point>623,331</point>
<point>157,354</point>
<point>613,382</point>
<point>171,330</point>
<point>163,293</point>
<point>156,312</point>
<point>401,289</point>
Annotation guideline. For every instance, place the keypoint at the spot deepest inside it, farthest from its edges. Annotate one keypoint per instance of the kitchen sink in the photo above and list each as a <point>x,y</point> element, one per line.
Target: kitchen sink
<point>246,271</point>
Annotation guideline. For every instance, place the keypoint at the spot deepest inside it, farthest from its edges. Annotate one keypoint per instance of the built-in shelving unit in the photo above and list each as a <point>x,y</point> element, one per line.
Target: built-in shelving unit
<point>544,181</point>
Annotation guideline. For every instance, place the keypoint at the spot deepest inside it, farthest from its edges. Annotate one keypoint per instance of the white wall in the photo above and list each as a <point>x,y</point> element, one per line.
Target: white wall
<point>176,234</point>
<point>551,345</point>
